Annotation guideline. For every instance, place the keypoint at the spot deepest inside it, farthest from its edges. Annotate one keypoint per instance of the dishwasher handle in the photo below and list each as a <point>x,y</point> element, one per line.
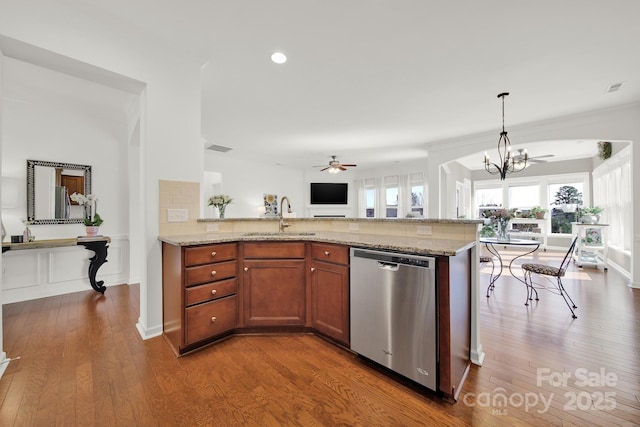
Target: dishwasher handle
<point>389,266</point>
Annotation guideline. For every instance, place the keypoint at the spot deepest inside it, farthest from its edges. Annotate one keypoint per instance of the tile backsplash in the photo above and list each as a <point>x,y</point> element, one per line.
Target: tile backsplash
<point>182,196</point>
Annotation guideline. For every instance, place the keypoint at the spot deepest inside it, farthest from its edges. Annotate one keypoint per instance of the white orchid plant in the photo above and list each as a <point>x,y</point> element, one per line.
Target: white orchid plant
<point>90,203</point>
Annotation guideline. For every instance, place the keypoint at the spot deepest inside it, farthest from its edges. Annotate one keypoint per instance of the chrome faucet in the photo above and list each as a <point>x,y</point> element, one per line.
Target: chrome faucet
<point>283,224</point>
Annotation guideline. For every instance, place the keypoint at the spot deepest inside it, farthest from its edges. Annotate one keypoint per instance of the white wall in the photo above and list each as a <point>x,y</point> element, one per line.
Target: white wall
<point>3,364</point>
<point>246,182</point>
<point>52,125</point>
<point>169,88</point>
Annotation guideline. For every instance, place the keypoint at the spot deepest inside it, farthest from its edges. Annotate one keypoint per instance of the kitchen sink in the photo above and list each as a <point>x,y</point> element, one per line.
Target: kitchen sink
<point>269,233</point>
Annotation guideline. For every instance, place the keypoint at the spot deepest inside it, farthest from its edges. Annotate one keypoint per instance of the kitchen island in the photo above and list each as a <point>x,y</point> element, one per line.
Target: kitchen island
<point>252,280</point>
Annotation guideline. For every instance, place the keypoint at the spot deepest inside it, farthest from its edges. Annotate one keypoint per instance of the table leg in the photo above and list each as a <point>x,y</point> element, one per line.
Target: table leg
<point>492,280</point>
<point>96,261</point>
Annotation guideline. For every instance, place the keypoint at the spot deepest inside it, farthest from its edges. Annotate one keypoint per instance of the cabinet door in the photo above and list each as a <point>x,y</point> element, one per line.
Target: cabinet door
<point>330,300</point>
<point>212,318</point>
<point>274,292</point>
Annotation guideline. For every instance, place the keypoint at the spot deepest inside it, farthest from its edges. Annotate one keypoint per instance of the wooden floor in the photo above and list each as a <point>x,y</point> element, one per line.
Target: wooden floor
<point>82,362</point>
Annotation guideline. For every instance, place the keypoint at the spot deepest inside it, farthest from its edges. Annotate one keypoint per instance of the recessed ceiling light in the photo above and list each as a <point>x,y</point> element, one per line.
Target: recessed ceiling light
<point>279,58</point>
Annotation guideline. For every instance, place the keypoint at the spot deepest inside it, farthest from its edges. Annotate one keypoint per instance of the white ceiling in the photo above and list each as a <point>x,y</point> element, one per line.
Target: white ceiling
<point>374,80</point>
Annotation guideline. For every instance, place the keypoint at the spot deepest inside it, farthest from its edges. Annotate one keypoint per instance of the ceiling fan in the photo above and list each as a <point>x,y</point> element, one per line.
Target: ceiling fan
<point>530,159</point>
<point>335,166</point>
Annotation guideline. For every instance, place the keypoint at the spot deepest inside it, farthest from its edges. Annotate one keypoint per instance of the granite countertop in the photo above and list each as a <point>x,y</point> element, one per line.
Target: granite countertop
<point>416,245</point>
<point>332,219</point>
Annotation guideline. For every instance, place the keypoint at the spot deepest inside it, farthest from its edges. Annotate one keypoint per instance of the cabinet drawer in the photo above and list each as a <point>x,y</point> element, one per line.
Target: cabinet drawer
<point>210,272</point>
<point>272,250</point>
<point>210,291</point>
<point>210,253</point>
<point>210,319</point>
<point>330,253</point>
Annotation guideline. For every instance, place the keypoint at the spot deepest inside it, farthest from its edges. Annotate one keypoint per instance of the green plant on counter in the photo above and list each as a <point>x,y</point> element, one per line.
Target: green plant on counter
<point>538,212</point>
<point>593,210</point>
<point>487,231</point>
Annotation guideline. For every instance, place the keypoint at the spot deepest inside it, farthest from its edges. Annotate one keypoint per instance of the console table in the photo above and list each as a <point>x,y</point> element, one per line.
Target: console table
<point>98,245</point>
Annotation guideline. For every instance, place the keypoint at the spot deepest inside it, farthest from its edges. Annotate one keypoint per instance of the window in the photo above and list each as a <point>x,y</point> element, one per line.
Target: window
<point>527,192</point>
<point>612,192</point>
<point>488,198</point>
<point>524,197</point>
<point>563,214</point>
<point>370,197</point>
<point>416,181</point>
<point>391,196</point>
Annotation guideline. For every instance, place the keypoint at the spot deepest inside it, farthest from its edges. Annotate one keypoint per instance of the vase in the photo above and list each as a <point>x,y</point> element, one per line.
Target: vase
<point>221,211</point>
<point>501,229</point>
<point>92,230</point>
<point>589,219</point>
<point>26,235</point>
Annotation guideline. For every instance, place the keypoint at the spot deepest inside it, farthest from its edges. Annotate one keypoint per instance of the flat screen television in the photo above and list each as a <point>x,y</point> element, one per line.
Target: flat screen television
<point>329,193</point>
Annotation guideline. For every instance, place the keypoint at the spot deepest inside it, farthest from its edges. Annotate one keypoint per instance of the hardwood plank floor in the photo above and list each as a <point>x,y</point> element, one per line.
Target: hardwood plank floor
<point>82,362</point>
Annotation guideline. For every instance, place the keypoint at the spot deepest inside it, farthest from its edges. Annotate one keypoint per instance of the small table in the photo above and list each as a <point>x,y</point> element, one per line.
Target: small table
<point>98,245</point>
<point>491,244</point>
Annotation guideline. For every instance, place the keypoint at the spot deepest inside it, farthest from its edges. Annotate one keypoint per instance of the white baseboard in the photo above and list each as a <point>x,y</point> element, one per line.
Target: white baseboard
<point>4,362</point>
<point>148,333</point>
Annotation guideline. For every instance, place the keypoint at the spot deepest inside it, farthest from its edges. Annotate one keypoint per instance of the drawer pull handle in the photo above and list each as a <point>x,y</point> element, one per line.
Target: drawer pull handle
<point>213,292</point>
<point>213,253</point>
<point>213,273</point>
<point>213,319</point>
<point>246,269</point>
<point>327,253</point>
<point>313,269</point>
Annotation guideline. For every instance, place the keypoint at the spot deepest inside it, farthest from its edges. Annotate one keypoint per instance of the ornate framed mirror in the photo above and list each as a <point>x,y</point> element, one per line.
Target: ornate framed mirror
<point>49,185</point>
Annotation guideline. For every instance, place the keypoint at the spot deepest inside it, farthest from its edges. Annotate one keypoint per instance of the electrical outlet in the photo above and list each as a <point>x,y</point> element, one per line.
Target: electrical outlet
<point>354,226</point>
<point>177,215</point>
<point>424,230</point>
<point>212,228</point>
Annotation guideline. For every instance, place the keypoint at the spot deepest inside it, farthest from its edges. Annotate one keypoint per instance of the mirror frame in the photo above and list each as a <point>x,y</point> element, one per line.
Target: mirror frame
<point>31,188</point>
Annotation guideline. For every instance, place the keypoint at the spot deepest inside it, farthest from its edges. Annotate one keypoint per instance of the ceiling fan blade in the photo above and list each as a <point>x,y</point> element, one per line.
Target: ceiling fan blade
<point>542,157</point>
<point>536,161</point>
<point>342,168</point>
<point>322,170</point>
<point>348,165</point>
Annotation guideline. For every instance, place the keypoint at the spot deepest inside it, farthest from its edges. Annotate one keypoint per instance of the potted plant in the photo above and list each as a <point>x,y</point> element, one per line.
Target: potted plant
<point>220,201</point>
<point>92,219</point>
<point>589,215</point>
<point>538,212</point>
<point>568,198</point>
<point>501,218</point>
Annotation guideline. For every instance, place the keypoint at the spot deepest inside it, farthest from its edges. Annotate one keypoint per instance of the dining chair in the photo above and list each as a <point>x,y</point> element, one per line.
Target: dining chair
<point>550,271</point>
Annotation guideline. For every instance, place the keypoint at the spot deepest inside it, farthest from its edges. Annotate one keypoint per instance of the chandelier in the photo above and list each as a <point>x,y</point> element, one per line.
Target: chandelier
<point>508,162</point>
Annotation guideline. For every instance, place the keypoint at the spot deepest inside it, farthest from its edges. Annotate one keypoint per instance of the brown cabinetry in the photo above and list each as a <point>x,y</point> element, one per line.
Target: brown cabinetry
<point>273,281</point>
<point>199,286</point>
<point>330,291</point>
<point>454,321</point>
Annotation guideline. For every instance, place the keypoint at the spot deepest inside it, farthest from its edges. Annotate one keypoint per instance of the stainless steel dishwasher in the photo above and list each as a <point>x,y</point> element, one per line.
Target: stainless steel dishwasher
<point>393,312</point>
